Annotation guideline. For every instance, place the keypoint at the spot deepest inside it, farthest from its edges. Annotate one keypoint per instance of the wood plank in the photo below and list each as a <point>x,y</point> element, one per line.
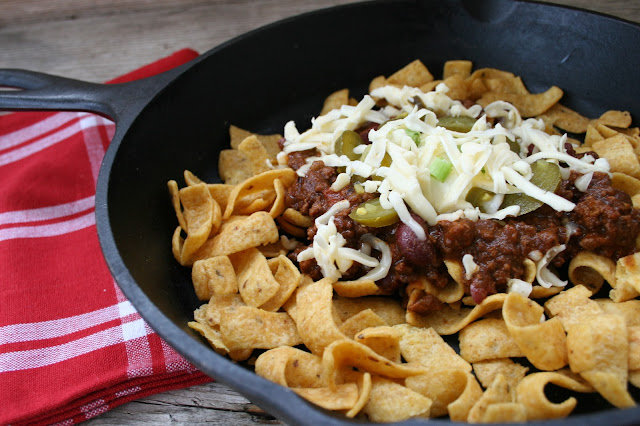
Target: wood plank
<point>211,403</point>
<point>98,47</point>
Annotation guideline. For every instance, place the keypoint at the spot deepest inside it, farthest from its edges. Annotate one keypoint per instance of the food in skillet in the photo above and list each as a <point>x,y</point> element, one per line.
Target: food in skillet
<point>427,209</point>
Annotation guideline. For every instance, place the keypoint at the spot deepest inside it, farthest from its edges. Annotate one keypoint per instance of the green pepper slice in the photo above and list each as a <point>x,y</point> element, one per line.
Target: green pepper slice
<point>546,176</point>
<point>478,196</point>
<point>462,124</point>
<point>514,146</point>
<point>371,213</point>
<point>386,160</point>
<point>346,143</point>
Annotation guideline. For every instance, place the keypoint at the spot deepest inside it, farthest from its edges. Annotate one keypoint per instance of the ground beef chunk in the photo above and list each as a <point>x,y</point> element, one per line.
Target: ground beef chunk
<point>607,220</point>
<point>297,159</point>
<point>307,193</point>
<point>424,303</point>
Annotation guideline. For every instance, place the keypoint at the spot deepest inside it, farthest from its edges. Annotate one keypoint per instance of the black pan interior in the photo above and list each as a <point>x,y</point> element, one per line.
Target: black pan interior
<point>283,72</point>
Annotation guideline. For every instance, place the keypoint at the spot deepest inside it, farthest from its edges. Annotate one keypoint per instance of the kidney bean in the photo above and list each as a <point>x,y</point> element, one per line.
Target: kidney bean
<point>416,251</point>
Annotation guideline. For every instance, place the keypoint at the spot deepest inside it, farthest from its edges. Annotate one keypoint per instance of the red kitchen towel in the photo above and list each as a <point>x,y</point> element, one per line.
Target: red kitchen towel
<point>71,345</point>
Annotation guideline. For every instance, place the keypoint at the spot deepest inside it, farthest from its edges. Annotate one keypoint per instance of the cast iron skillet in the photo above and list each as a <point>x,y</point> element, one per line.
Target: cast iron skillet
<point>179,120</point>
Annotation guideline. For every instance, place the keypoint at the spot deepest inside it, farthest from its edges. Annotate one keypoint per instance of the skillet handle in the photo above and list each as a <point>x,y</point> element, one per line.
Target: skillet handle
<point>40,91</point>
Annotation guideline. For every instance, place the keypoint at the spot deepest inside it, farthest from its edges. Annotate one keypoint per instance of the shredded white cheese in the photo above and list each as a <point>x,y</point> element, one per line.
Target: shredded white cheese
<point>515,285</point>
<point>544,276</point>
<point>470,266</point>
<point>582,182</point>
<point>341,181</point>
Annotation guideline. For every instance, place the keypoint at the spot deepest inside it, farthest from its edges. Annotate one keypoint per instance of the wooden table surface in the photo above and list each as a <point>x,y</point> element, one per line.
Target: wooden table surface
<point>101,39</point>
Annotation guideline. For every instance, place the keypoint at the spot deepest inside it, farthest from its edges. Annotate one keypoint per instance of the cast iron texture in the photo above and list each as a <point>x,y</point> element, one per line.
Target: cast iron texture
<point>283,71</point>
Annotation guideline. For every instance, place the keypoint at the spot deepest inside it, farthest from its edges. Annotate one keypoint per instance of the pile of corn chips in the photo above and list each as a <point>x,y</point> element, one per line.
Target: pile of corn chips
<point>366,356</point>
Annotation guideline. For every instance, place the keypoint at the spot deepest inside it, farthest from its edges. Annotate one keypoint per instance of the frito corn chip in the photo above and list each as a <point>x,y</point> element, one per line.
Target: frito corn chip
<point>291,229</point>
<point>620,154</point>
<point>543,343</point>
<point>237,135</point>
<point>387,308</point>
<point>592,135</point>
<point>220,192</point>
<point>598,349</point>
<point>213,336</point>
<point>626,183</point>
<point>629,310</point>
<point>246,327</point>
<point>571,305</point>
<point>430,86</point>
<point>473,339</point>
<point>449,320</point>
<point>591,270</point>
<point>342,397</point>
<point>240,234</point>
<point>627,281</point>
<point>254,202</point>
<point>384,341</point>
<point>198,207</point>
<point>458,67</point>
<point>451,293</point>
<point>358,322</point>
<point>539,292</point>
<point>191,179</point>
<point>214,275</point>
<point>256,185</point>
<point>357,288</point>
<point>256,154</point>
<point>423,346</point>
<point>634,347</point>
<point>217,303</point>
<point>505,412</point>
<point>567,119</point>
<point>486,371</point>
<point>290,367</point>
<point>443,387</point>
<point>414,74</point>
<point>272,364</point>
<point>615,119</point>
<point>256,282</point>
<point>506,85</point>
<point>234,166</point>
<point>296,218</point>
<point>287,276</point>
<point>335,101</point>
<point>531,393</point>
<point>491,73</point>
<point>391,402</point>
<point>174,193</point>
<point>606,131</point>
<point>314,315</point>
<point>349,353</point>
<point>270,142</point>
<point>460,408</point>
<point>278,248</point>
<point>497,393</point>
<point>278,205</point>
<point>364,393</point>
<point>529,105</point>
<point>457,86</point>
